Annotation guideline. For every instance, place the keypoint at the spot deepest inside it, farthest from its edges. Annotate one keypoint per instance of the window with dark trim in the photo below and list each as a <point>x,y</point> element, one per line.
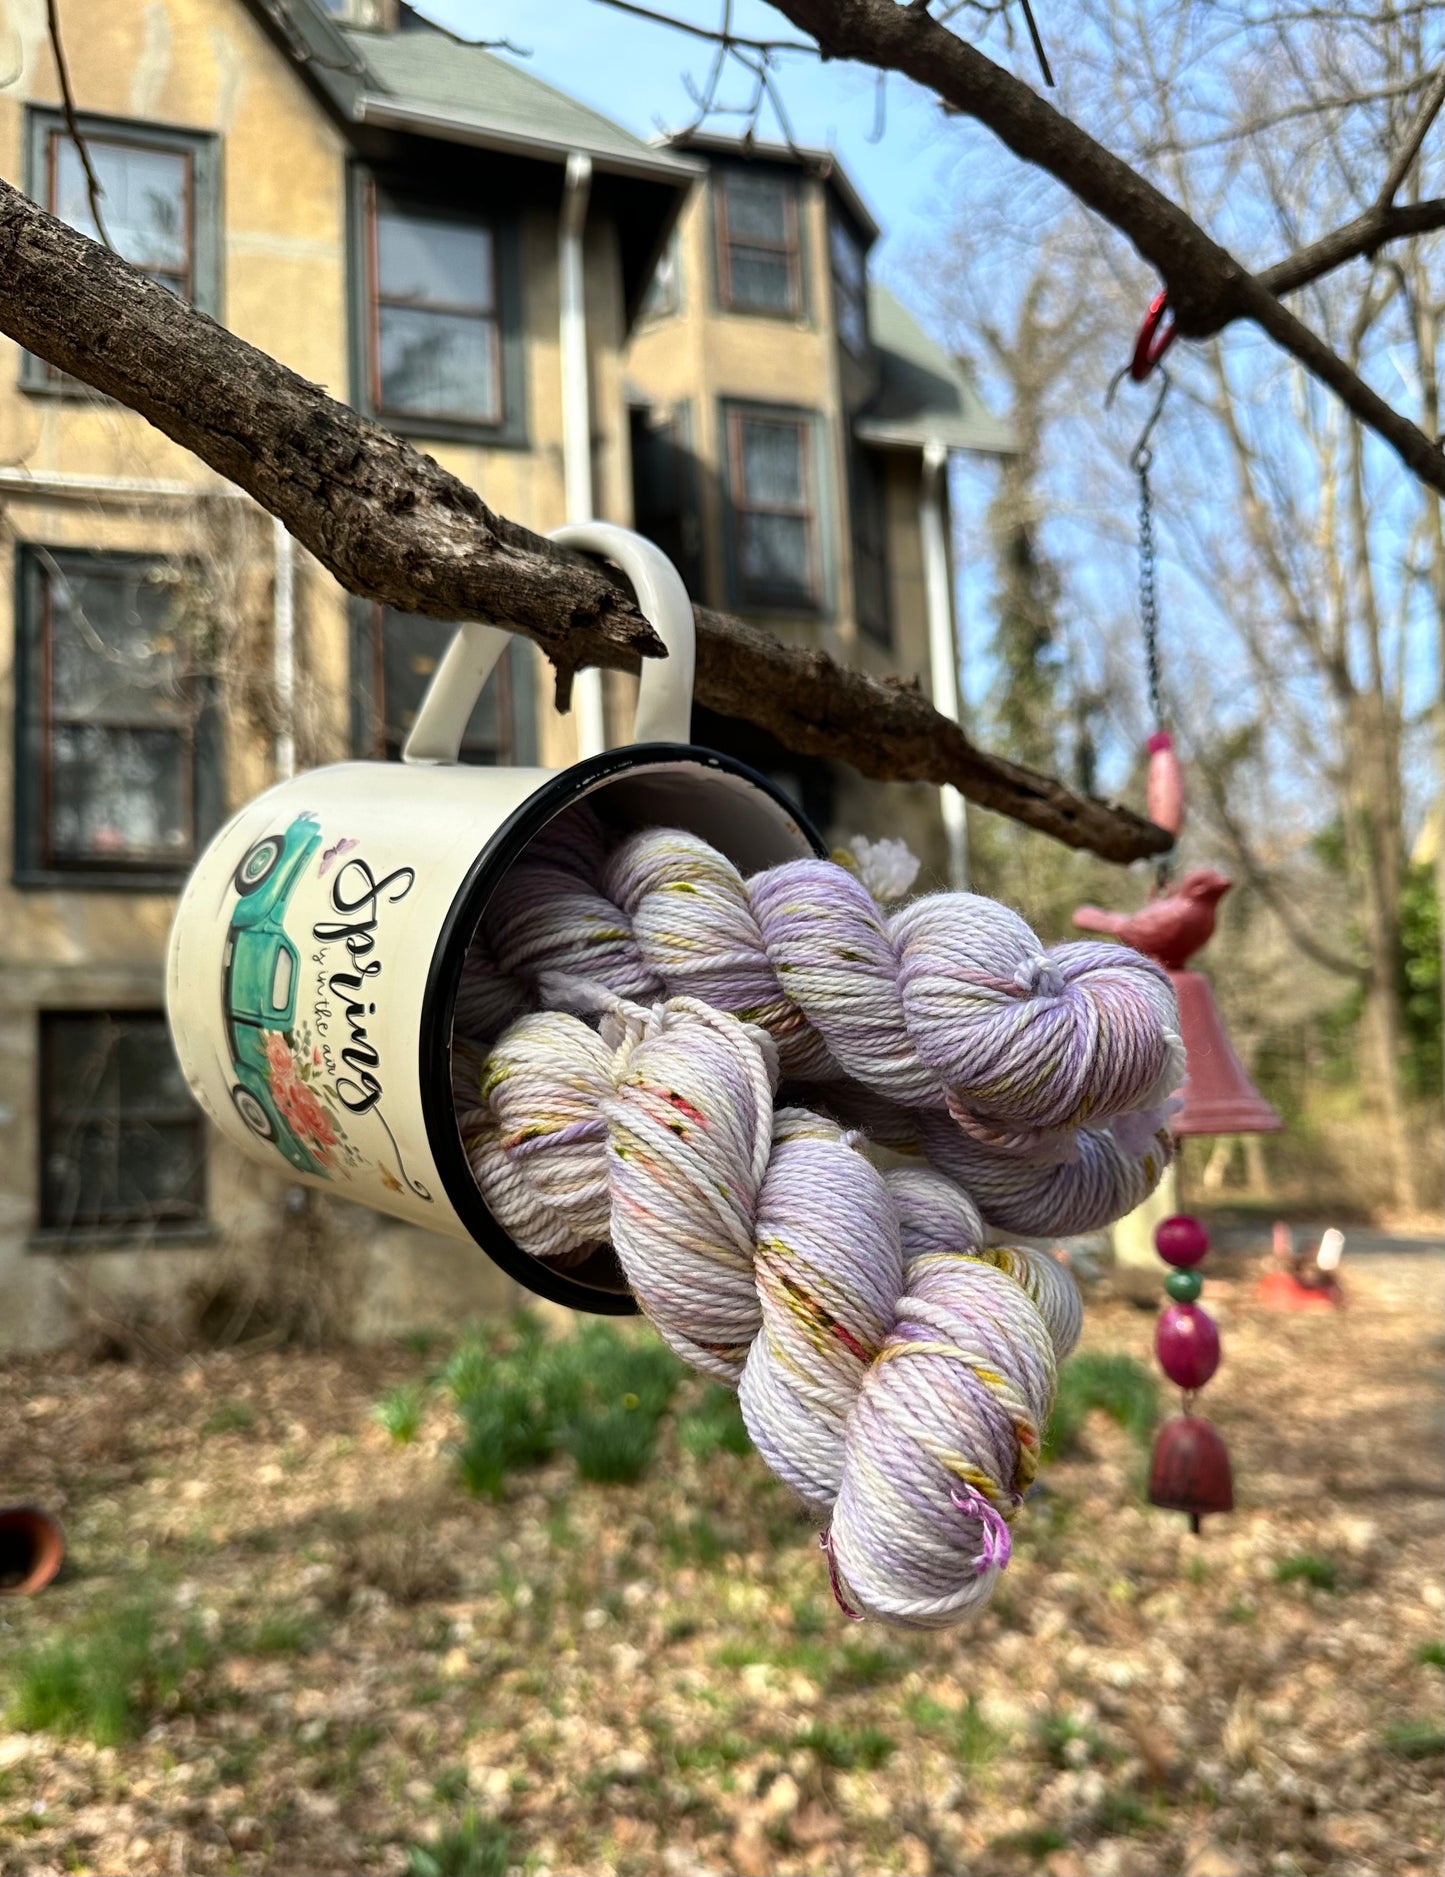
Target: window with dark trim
<point>772,500</point>
<point>870,542</point>
<point>159,201</point>
<point>396,655</point>
<point>850,285</point>
<point>759,260</point>
<point>117,748</point>
<point>121,1141</point>
<point>434,341</point>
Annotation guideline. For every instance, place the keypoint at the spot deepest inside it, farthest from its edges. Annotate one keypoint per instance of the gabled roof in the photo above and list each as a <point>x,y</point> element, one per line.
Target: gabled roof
<point>424,80</point>
<point>923,395</point>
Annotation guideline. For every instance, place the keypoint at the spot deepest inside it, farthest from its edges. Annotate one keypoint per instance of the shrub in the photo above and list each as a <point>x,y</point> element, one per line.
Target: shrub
<point>598,1394</point>
<point>107,1679</point>
<point>1307,1567</point>
<point>400,1411</point>
<point>475,1847</point>
<point>713,1425</point>
<point>1123,1388</point>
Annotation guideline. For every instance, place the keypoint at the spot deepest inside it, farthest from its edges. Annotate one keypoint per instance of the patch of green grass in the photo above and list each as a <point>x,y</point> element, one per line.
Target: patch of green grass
<point>473,1847</point>
<point>451,1785</point>
<point>1308,1567</point>
<point>864,1665</point>
<point>1121,1814</point>
<point>1056,1734</point>
<point>1034,1845</point>
<point>229,1417</point>
<point>400,1411</point>
<point>1118,1385</point>
<point>1415,1740</point>
<point>976,1740</point>
<point>1431,1655</point>
<point>283,1632</point>
<point>1240,1610</point>
<point>599,1395</point>
<point>707,1756</point>
<point>698,1541</point>
<point>107,1679</point>
<point>422,1342</point>
<point>713,1425</point>
<point>850,1749</point>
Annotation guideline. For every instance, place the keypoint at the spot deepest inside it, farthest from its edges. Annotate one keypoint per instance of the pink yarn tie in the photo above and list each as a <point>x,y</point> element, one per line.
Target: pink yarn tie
<point>998,1541</point>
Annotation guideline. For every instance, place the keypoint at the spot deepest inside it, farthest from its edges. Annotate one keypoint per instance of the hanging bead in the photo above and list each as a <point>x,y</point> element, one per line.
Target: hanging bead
<point>1181,1241</point>
<point>1187,1345</point>
<point>1184,1286</point>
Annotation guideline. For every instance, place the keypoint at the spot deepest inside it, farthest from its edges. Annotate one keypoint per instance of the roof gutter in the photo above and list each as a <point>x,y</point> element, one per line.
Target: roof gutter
<point>942,639</point>
<point>389,114</point>
<point>577,411</point>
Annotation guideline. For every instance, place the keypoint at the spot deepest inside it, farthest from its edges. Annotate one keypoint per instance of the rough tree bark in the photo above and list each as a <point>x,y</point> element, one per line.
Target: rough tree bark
<point>392,525</point>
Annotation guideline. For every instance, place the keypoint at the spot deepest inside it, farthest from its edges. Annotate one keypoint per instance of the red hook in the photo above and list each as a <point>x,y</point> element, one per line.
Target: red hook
<point>1154,339</point>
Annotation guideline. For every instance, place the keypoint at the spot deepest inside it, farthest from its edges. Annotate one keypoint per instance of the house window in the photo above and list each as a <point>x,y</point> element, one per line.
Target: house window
<point>117,772</point>
<point>850,286</point>
<point>158,200</point>
<point>398,655</point>
<point>121,1141</point>
<point>436,347</point>
<point>759,261</point>
<point>870,542</point>
<point>774,511</point>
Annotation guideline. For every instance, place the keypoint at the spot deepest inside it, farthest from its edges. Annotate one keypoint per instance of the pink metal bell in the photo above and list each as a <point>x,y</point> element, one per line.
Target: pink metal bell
<point>1218,1096</point>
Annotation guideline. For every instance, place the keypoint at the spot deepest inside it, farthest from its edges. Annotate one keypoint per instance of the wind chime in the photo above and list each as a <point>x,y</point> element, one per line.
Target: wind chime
<point>1190,1471</point>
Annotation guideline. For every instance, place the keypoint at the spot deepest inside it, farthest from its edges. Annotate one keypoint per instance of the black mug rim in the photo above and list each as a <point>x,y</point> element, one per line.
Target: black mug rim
<point>444,979</point>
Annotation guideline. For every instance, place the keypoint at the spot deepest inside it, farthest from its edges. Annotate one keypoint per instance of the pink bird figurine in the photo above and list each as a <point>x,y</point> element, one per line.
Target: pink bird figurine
<point>1167,930</point>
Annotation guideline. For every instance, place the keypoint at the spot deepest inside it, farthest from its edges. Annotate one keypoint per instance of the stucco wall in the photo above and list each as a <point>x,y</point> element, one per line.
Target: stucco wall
<point>206,65</point>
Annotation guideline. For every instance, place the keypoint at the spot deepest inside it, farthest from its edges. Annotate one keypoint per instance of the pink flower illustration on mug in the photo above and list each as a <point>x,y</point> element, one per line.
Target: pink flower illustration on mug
<point>297,1104</point>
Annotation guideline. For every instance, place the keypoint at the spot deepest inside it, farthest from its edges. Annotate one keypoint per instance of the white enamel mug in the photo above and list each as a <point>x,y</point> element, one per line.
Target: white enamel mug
<point>316,952</point>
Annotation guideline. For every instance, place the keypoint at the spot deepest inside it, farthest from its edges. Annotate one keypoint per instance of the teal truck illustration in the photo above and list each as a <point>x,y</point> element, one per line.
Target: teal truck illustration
<point>259,974</point>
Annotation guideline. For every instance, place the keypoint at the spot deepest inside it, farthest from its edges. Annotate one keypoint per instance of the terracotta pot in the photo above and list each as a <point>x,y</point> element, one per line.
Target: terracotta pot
<point>32,1547</point>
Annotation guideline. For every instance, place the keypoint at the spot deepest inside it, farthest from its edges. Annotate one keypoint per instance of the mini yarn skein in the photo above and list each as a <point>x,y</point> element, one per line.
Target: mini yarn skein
<point>1009,1057</point>
<point>893,1368</point>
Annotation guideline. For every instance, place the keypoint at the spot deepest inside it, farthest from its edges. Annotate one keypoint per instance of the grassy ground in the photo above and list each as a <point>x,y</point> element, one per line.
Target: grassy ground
<point>290,1641</point>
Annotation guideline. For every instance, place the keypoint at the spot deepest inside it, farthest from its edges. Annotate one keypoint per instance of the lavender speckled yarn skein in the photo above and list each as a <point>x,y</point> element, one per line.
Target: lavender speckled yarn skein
<point>890,1367</point>
<point>951,1003</point>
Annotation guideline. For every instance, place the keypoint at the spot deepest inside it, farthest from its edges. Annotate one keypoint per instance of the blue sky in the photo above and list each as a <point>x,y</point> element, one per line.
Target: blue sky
<point>634,71</point>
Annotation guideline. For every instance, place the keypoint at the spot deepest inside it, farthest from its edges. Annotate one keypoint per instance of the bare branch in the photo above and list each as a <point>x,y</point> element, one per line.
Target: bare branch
<point>67,98</point>
<point>719,35</point>
<point>1208,288</point>
<point>1410,148</point>
<point>1365,235</point>
<point>392,525</point>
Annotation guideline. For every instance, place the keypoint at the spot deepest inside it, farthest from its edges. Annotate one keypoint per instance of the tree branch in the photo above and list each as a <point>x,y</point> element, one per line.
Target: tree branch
<point>67,100</point>
<point>1208,288</point>
<point>1410,147</point>
<point>1365,235</point>
<point>393,526</point>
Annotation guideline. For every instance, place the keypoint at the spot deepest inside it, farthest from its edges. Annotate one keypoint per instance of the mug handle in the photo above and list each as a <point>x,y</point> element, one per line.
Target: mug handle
<point>664,695</point>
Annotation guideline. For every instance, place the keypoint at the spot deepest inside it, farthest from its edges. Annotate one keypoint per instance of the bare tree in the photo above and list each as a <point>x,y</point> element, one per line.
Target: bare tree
<point>391,525</point>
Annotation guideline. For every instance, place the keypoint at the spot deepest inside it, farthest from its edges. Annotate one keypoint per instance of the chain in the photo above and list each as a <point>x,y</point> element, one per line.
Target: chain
<point>1148,596</point>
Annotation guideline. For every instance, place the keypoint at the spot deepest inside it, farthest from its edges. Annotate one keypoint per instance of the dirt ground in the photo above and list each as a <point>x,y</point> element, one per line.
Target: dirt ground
<point>654,1678</point>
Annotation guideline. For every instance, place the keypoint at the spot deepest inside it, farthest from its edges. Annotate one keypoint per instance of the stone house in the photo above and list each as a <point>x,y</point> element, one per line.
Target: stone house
<point>571,320</point>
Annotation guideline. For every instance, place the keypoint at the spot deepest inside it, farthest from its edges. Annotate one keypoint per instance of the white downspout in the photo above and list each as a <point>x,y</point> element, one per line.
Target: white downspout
<point>942,640</point>
<point>577,414</point>
<point>283,646</point>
